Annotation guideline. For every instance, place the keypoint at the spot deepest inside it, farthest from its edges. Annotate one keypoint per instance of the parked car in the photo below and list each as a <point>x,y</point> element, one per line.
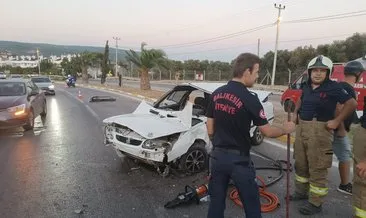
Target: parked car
<point>14,76</point>
<point>172,131</point>
<point>45,84</point>
<point>293,93</point>
<point>20,102</point>
<point>2,75</point>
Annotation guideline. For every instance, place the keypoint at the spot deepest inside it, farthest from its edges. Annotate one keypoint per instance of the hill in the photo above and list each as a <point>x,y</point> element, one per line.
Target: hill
<point>22,48</point>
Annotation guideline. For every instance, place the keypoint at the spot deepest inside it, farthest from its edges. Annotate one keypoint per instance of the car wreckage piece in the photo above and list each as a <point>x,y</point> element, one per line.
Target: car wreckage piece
<point>171,133</point>
<point>98,98</point>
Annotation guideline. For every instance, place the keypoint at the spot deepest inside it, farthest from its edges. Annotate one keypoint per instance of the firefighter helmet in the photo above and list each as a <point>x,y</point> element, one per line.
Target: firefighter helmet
<point>321,62</point>
<point>353,68</point>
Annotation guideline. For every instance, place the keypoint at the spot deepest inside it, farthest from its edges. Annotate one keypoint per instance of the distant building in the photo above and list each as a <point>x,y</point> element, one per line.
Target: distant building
<point>29,61</point>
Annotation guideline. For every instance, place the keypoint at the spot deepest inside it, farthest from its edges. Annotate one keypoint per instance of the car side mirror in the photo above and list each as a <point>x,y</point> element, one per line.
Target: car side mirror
<point>33,93</point>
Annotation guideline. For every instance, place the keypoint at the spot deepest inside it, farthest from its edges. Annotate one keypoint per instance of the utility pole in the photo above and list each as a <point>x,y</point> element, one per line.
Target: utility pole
<point>116,38</point>
<point>279,7</point>
<point>259,42</point>
<point>39,63</point>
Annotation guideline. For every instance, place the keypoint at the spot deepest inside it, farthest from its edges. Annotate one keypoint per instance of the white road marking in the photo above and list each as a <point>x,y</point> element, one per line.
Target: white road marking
<point>92,111</point>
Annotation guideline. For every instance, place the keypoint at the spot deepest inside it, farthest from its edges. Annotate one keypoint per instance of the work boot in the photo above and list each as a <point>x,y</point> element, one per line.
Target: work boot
<point>298,197</point>
<point>309,209</point>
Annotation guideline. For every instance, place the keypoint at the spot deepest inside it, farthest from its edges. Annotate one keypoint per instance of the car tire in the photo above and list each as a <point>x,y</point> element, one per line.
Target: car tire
<point>195,160</point>
<point>257,138</point>
<point>30,123</point>
<point>289,104</point>
<point>44,110</point>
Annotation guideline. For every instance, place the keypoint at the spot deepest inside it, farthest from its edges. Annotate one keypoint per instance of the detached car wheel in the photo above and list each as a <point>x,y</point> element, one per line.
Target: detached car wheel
<point>258,137</point>
<point>30,123</point>
<point>195,160</point>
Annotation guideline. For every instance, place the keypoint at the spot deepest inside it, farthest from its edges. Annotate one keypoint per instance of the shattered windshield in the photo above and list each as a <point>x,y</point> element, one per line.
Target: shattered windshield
<point>172,99</point>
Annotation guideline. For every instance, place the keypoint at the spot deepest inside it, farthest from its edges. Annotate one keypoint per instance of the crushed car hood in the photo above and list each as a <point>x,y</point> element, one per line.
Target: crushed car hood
<point>156,123</point>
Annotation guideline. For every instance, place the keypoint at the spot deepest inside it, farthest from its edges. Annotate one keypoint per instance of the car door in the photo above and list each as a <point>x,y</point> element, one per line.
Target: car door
<point>35,100</point>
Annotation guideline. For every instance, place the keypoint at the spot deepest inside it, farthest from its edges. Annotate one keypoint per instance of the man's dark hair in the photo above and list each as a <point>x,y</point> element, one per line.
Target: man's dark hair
<point>243,62</point>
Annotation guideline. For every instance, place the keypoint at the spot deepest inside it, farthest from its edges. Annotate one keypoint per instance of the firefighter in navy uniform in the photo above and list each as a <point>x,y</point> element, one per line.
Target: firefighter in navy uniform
<point>359,154</point>
<point>230,112</point>
<point>315,114</point>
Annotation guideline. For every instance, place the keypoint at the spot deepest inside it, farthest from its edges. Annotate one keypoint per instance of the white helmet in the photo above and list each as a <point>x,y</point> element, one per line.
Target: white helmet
<point>321,62</point>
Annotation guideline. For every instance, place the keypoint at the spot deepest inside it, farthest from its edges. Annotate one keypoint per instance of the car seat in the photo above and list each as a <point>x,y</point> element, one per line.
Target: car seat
<point>200,105</point>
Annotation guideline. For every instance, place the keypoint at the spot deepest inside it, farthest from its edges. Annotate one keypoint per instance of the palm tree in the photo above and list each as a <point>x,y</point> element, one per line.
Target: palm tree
<point>146,60</point>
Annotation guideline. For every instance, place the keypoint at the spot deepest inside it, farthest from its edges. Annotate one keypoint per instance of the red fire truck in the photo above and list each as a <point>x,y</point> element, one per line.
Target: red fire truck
<point>293,93</point>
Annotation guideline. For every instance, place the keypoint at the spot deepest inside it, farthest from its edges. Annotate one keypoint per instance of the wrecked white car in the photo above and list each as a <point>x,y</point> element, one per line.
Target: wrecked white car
<point>172,133</point>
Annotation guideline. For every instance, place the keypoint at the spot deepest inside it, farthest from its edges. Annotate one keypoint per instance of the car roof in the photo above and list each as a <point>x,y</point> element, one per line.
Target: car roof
<point>14,80</point>
<point>40,77</point>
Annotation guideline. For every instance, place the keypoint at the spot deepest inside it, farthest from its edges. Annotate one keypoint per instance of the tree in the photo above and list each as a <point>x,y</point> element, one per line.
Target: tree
<point>105,63</point>
<point>46,66</point>
<point>89,59</point>
<point>146,60</point>
<point>355,46</point>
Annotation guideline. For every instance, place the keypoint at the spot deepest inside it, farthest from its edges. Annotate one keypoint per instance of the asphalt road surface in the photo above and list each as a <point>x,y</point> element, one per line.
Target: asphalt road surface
<point>161,86</point>
<point>62,169</point>
<point>156,85</point>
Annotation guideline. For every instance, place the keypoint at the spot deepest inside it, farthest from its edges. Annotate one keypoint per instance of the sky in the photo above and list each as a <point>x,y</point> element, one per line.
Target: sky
<point>189,29</point>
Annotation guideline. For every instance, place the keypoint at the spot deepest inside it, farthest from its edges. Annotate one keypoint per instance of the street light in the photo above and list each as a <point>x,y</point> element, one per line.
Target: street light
<point>39,64</point>
<point>116,38</point>
<point>280,7</point>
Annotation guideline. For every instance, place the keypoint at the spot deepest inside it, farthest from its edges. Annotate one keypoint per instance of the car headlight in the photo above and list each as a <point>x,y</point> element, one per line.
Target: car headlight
<point>155,143</point>
<point>17,110</point>
<point>108,132</point>
<point>51,87</point>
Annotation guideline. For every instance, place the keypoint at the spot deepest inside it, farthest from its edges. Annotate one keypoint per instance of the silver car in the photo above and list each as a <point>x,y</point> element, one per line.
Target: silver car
<point>45,84</point>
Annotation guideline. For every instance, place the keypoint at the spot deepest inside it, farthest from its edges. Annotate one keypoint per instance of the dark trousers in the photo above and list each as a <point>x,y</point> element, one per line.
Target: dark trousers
<point>225,166</point>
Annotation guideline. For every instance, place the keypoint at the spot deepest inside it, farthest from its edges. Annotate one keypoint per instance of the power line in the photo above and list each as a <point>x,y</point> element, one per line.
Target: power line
<point>270,42</point>
<point>204,24</point>
<point>329,17</point>
<point>236,34</point>
<point>218,38</point>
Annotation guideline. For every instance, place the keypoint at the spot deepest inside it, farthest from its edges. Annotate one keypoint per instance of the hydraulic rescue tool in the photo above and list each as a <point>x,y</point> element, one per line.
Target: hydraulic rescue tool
<point>190,195</point>
<point>270,203</point>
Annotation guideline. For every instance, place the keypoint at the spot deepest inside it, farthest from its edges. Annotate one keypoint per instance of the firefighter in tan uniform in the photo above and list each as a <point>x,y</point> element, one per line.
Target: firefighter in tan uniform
<point>314,114</point>
<point>359,153</point>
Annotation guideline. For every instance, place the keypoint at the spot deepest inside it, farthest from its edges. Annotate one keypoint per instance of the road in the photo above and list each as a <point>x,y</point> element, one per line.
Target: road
<point>62,168</point>
<point>156,85</point>
<point>166,86</point>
